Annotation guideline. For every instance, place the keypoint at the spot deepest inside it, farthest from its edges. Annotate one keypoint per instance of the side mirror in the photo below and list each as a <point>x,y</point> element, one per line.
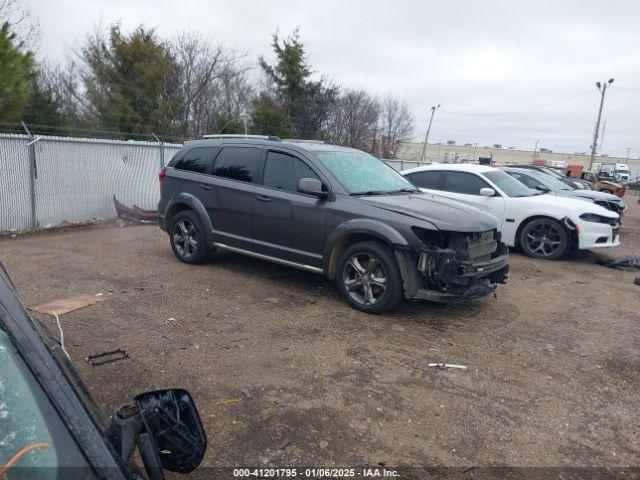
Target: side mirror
<point>487,192</point>
<point>542,188</point>
<point>172,423</point>
<point>166,428</point>
<point>311,186</point>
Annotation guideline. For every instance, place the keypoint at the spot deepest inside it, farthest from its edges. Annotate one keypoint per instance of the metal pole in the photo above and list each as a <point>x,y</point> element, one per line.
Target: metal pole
<point>161,145</point>
<point>594,145</point>
<point>245,125</point>
<point>426,137</point>
<point>535,149</point>
<point>628,152</point>
<point>33,175</point>
<point>475,145</point>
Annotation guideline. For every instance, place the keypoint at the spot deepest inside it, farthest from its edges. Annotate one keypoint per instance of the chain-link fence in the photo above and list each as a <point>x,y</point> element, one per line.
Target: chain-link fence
<point>45,180</point>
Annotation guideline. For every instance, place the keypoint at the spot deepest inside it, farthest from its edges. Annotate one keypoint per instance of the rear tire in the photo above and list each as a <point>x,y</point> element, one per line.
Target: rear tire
<point>368,277</point>
<point>188,238</point>
<point>544,238</point>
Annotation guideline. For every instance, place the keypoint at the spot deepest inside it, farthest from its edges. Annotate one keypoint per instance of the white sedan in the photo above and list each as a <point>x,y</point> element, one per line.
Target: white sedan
<point>544,226</point>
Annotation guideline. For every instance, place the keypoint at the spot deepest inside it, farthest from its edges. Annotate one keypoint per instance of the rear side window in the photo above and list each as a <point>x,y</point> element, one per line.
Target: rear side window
<point>196,160</point>
<point>433,180</point>
<point>238,163</point>
<point>283,171</point>
<point>466,183</point>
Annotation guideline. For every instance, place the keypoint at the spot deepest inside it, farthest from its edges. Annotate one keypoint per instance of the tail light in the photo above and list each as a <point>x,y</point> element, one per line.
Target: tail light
<point>161,175</point>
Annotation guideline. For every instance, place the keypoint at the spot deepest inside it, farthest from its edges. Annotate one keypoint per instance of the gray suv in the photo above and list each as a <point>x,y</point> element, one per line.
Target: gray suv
<point>331,210</point>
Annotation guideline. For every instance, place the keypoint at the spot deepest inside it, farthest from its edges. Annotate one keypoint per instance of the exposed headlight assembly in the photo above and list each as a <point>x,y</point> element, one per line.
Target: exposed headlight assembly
<point>592,217</point>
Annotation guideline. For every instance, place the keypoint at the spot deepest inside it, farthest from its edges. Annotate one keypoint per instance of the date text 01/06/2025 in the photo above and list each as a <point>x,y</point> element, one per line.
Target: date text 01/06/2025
<point>315,472</point>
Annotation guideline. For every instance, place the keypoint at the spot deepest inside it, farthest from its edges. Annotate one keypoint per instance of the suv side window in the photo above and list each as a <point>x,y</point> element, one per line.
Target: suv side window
<point>433,180</point>
<point>283,171</point>
<point>196,160</point>
<point>465,183</point>
<point>238,163</point>
<point>526,179</point>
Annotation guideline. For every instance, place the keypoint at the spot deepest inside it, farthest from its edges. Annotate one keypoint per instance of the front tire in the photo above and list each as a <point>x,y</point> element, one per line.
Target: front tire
<point>188,238</point>
<point>544,238</point>
<point>368,278</point>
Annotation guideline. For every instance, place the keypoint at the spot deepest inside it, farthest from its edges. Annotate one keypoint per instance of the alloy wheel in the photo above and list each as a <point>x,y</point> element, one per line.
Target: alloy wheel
<point>544,239</point>
<point>185,238</point>
<point>364,279</point>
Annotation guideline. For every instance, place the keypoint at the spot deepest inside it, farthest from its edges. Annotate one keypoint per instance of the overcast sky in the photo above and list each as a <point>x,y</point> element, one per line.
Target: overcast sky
<point>507,72</point>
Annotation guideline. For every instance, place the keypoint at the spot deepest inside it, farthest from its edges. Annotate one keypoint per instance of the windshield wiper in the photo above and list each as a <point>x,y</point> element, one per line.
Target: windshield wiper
<point>387,192</point>
<point>406,189</point>
<point>370,192</point>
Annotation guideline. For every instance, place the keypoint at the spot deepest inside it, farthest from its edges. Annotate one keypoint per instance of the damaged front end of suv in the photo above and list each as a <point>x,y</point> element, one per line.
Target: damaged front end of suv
<point>453,266</point>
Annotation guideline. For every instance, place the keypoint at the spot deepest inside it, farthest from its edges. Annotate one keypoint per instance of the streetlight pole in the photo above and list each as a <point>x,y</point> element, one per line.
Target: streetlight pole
<point>535,149</point>
<point>426,137</point>
<point>594,145</point>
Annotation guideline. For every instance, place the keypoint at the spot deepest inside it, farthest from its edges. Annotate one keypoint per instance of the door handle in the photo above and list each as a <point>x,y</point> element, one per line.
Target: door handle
<point>262,198</point>
<point>205,187</point>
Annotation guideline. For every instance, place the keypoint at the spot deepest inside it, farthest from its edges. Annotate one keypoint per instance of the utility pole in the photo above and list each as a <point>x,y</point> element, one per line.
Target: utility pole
<point>535,149</point>
<point>475,145</point>
<point>594,145</point>
<point>245,125</point>
<point>628,152</point>
<point>426,137</point>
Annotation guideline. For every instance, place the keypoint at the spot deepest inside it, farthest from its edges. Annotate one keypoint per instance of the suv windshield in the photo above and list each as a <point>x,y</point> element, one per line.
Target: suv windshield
<point>509,185</point>
<point>361,173</point>
<point>31,432</point>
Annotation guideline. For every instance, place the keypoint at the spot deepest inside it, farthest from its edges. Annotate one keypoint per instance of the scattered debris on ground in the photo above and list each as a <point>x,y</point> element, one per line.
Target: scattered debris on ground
<point>628,263</point>
<point>228,401</point>
<point>445,366</point>
<point>107,357</point>
<point>134,213</point>
<point>65,305</point>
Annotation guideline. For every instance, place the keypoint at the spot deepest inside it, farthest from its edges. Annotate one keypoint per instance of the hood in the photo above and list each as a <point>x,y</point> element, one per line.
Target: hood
<point>444,213</point>
<point>595,195</point>
<point>569,205</point>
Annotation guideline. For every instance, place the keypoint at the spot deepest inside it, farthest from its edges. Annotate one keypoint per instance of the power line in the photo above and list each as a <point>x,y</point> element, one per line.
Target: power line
<point>515,112</point>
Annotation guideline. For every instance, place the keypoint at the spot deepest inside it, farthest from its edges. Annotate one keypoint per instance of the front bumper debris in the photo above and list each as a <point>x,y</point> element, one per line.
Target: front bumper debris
<point>455,267</point>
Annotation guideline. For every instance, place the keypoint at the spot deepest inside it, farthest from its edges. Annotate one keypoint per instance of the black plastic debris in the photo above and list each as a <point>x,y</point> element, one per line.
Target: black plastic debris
<point>107,357</point>
<point>637,281</point>
<point>629,263</point>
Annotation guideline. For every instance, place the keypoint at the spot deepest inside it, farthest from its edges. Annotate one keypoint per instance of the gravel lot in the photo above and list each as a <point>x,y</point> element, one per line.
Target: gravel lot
<point>553,362</point>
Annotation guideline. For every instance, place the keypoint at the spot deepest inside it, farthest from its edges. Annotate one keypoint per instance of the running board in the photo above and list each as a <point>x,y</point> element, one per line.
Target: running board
<point>269,258</point>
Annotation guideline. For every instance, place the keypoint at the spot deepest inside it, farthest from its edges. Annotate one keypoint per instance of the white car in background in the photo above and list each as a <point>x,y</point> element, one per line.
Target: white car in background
<point>544,226</point>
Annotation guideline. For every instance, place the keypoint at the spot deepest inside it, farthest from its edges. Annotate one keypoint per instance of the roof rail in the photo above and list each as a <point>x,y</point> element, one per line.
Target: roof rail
<point>239,135</point>
<point>302,140</point>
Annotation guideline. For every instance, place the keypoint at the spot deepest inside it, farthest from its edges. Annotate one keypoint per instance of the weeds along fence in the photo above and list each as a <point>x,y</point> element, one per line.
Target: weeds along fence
<point>45,180</point>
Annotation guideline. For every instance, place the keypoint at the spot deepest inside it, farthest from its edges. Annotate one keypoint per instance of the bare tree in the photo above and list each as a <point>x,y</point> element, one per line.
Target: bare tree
<point>215,85</point>
<point>355,119</point>
<point>396,125</point>
<point>21,23</point>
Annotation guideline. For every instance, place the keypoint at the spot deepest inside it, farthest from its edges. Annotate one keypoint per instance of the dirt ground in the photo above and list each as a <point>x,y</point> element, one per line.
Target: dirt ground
<point>553,362</point>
